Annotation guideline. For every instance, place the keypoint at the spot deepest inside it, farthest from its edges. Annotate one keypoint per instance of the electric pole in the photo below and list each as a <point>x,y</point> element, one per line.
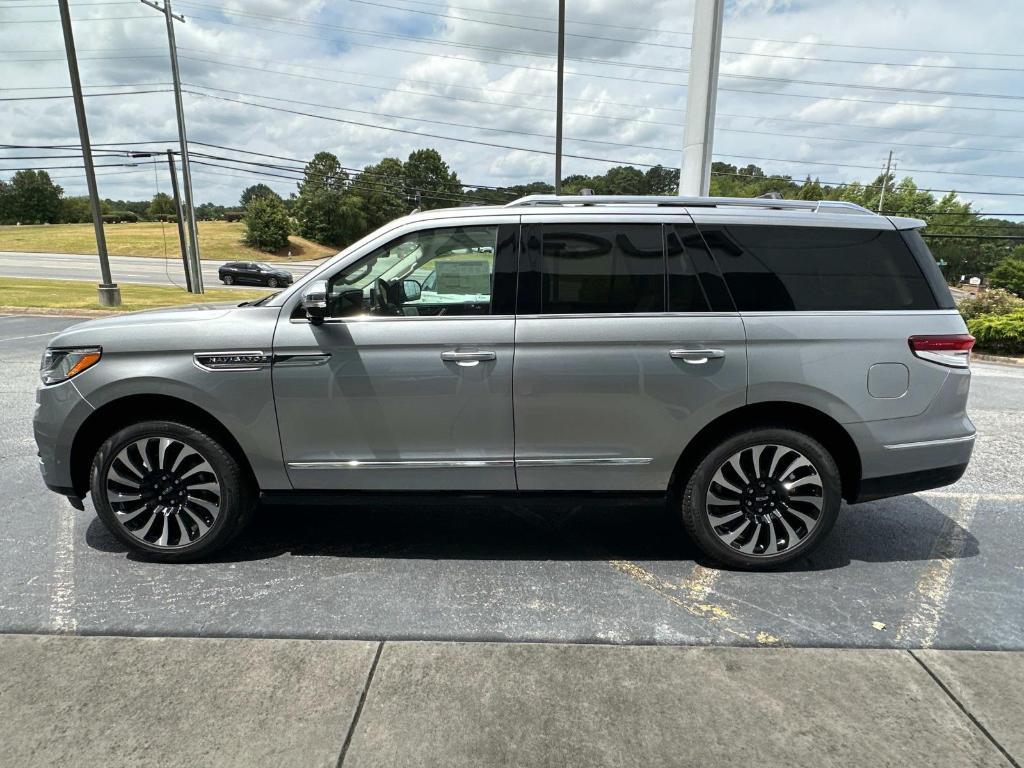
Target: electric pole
<point>558,97</point>
<point>885,182</point>
<point>109,293</point>
<point>179,215</point>
<point>701,98</point>
<point>196,283</point>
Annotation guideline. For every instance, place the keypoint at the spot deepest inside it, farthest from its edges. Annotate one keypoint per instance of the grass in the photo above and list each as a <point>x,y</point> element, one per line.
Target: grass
<point>218,241</point>
<point>73,294</point>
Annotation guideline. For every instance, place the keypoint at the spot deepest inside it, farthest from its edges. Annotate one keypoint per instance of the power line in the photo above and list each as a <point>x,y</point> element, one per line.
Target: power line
<point>86,95</point>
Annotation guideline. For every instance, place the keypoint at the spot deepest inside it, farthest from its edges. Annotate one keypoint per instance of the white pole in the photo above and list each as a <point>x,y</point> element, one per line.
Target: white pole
<point>701,98</point>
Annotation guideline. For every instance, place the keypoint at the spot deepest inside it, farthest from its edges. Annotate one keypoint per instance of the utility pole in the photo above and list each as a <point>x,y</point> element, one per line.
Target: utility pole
<point>179,215</point>
<point>701,98</point>
<point>109,293</point>
<point>558,97</point>
<point>885,182</point>
<point>196,283</point>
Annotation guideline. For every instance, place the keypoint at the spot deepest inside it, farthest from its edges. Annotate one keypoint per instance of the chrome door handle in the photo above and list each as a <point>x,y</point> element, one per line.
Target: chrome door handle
<point>466,358</point>
<point>696,356</point>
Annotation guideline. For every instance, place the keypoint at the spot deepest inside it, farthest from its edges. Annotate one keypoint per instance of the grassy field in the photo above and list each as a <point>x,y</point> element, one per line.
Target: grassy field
<point>73,294</point>
<point>218,241</point>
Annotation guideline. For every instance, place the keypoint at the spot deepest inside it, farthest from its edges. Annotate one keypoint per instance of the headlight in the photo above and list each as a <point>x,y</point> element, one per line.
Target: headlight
<point>61,364</point>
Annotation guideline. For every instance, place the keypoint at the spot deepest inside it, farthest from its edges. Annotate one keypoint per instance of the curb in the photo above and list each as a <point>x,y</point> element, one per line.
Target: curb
<point>997,359</point>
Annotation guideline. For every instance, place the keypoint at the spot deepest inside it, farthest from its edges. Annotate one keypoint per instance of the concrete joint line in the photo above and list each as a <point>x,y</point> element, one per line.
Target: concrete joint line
<point>967,712</point>
<point>359,706</point>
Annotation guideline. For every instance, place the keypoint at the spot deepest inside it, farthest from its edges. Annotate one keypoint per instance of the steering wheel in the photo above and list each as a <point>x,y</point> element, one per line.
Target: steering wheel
<point>381,301</point>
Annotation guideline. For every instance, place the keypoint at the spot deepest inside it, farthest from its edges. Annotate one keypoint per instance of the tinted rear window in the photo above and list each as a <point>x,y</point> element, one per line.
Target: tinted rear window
<point>807,269</point>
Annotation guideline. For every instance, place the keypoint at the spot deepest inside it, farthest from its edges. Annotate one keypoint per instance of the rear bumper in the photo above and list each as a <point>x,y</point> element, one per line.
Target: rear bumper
<point>876,488</point>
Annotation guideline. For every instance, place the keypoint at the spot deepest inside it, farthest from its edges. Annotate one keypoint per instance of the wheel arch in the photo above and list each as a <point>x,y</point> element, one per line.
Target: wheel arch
<point>817,424</point>
<point>131,409</point>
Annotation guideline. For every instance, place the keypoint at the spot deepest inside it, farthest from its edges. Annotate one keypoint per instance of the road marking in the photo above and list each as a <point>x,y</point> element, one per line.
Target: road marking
<point>921,625</point>
<point>62,600</point>
<point>33,336</point>
<point>960,496</point>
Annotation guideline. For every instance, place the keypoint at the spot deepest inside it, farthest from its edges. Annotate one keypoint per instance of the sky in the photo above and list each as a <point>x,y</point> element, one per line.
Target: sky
<point>940,82</point>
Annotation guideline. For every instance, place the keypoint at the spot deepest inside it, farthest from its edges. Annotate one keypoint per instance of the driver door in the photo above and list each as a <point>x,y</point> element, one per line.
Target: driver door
<point>402,388</point>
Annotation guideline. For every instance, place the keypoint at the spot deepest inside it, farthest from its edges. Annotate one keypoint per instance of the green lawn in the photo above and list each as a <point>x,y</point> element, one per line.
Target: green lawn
<point>73,294</point>
<point>218,241</point>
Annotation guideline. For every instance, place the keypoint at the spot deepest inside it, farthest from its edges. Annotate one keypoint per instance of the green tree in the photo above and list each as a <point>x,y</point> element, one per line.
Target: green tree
<point>660,180</point>
<point>6,203</point>
<point>331,217</point>
<point>35,199</point>
<point>75,210</point>
<point>266,223</point>
<point>324,171</point>
<point>1009,273</point>
<point>430,180</point>
<point>254,191</point>
<point>382,188</point>
<point>162,205</point>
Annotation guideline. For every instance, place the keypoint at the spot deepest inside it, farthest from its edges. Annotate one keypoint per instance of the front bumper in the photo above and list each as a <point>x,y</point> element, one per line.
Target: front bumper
<point>60,411</point>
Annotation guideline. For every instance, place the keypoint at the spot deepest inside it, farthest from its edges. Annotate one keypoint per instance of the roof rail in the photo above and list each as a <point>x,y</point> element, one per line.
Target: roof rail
<point>816,206</point>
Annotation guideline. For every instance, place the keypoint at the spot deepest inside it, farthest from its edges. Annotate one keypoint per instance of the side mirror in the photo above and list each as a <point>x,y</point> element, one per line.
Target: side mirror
<point>314,301</point>
<point>411,291</point>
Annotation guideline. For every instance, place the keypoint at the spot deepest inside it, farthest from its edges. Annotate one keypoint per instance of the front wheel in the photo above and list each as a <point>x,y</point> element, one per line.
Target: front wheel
<point>272,282</point>
<point>169,491</point>
<point>762,498</point>
<point>228,280</point>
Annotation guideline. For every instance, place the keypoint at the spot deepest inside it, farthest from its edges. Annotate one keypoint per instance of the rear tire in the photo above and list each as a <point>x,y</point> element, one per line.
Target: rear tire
<point>272,282</point>
<point>169,491</point>
<point>762,498</point>
<point>228,280</point>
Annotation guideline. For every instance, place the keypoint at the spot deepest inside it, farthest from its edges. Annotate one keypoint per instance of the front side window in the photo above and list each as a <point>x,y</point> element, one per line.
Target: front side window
<point>428,273</point>
<point>602,268</point>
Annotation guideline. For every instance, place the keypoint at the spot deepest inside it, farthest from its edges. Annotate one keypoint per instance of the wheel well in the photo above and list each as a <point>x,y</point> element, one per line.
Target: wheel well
<point>118,414</point>
<point>823,428</point>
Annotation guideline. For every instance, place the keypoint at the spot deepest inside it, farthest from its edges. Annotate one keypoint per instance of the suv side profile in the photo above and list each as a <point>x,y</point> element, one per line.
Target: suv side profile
<point>755,362</point>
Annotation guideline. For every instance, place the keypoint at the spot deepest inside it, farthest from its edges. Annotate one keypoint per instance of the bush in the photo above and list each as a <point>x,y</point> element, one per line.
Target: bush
<point>266,224</point>
<point>1009,274</point>
<point>117,217</point>
<point>994,301</point>
<point>1001,334</point>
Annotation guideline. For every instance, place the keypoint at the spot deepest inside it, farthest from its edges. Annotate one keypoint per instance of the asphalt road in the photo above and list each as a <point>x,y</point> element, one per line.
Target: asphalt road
<point>938,569</point>
<point>124,269</point>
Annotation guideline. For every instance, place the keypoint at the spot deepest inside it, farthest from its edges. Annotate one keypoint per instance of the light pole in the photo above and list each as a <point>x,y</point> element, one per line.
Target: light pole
<point>109,293</point>
<point>196,283</point>
<point>558,97</point>
<point>701,98</point>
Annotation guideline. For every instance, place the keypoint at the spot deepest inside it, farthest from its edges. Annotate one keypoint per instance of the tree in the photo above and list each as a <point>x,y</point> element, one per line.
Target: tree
<point>1009,273</point>
<point>162,205</point>
<point>429,178</point>
<point>382,188</point>
<point>660,180</point>
<point>209,211</point>
<point>254,191</point>
<point>331,217</point>
<point>75,210</point>
<point>34,198</point>
<point>266,223</point>
<point>6,203</point>
<point>323,172</point>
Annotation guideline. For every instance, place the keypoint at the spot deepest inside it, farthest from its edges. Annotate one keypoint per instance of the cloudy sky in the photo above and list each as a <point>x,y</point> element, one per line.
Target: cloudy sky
<point>941,82</point>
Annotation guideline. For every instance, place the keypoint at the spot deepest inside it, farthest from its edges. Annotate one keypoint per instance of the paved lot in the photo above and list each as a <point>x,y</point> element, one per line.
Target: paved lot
<point>125,269</point>
<point>940,569</point>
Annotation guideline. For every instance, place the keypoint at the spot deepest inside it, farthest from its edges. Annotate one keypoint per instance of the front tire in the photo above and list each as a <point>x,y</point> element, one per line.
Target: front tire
<point>762,498</point>
<point>272,282</point>
<point>169,491</point>
<point>228,280</point>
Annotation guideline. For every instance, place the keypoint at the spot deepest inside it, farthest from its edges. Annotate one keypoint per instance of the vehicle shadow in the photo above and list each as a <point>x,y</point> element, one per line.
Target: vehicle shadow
<point>906,529</point>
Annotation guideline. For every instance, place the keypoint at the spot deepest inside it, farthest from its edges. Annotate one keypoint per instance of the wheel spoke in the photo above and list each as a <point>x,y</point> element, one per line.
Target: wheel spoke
<point>734,462</point>
<point>807,520</point>
<point>727,519</point>
<point>749,547</point>
<point>791,537</point>
<point>719,478</point>
<point>796,464</point>
<point>200,524</point>
<point>773,542</point>
<point>816,501</point>
<point>127,517</point>
<point>730,537</point>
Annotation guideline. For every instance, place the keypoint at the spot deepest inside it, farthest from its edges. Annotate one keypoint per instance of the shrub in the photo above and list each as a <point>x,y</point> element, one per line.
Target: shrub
<point>1009,274</point>
<point>266,223</point>
<point>999,333</point>
<point>117,217</point>
<point>994,301</point>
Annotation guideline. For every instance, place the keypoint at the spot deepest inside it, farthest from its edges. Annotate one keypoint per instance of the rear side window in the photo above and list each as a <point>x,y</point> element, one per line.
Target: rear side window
<point>807,269</point>
<point>602,268</point>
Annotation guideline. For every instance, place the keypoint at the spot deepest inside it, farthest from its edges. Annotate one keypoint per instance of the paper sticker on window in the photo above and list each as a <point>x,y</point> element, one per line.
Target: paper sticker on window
<point>467,278</point>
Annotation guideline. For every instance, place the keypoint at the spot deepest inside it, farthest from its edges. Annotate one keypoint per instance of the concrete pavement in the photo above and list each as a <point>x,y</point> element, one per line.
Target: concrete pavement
<point>125,269</point>
<point>105,701</point>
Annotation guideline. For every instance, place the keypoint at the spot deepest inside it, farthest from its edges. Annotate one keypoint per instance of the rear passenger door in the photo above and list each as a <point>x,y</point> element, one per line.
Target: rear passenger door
<point>626,345</point>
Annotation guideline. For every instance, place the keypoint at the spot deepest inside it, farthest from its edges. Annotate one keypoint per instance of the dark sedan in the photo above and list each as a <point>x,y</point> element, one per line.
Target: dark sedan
<point>253,273</point>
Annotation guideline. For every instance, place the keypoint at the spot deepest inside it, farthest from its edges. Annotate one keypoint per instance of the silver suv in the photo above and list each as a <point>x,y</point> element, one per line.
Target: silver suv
<point>752,361</point>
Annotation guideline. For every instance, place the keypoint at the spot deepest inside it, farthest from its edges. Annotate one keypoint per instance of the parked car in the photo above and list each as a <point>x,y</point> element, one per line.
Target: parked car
<point>753,362</point>
<point>254,273</point>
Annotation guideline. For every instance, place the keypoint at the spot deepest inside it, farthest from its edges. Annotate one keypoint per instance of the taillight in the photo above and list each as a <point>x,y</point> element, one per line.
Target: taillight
<point>953,350</point>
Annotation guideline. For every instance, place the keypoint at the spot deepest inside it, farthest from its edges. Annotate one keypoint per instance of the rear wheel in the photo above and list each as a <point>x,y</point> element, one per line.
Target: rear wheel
<point>228,280</point>
<point>272,282</point>
<point>762,498</point>
<point>170,491</point>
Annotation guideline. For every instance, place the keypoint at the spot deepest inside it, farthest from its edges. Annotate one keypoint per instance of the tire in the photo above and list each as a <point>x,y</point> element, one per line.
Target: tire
<point>207,497</point>
<point>272,282</point>
<point>228,280</point>
<point>750,522</point>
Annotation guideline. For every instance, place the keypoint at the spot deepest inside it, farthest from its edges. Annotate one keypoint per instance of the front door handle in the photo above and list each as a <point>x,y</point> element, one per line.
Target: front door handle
<point>466,358</point>
<point>696,356</point>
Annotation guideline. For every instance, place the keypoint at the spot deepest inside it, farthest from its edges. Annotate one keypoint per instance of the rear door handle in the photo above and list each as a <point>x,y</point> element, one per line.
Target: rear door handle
<point>467,358</point>
<point>696,356</point>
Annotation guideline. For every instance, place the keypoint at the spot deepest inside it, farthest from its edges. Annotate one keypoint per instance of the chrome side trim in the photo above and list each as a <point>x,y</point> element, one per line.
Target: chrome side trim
<point>412,464</point>
<point>630,461</point>
<point>930,443</point>
<point>245,360</point>
<point>301,359</point>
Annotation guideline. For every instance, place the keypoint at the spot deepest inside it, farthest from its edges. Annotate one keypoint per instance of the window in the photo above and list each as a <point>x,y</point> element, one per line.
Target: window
<point>428,273</point>
<point>685,293</point>
<point>806,269</point>
<point>602,268</point>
